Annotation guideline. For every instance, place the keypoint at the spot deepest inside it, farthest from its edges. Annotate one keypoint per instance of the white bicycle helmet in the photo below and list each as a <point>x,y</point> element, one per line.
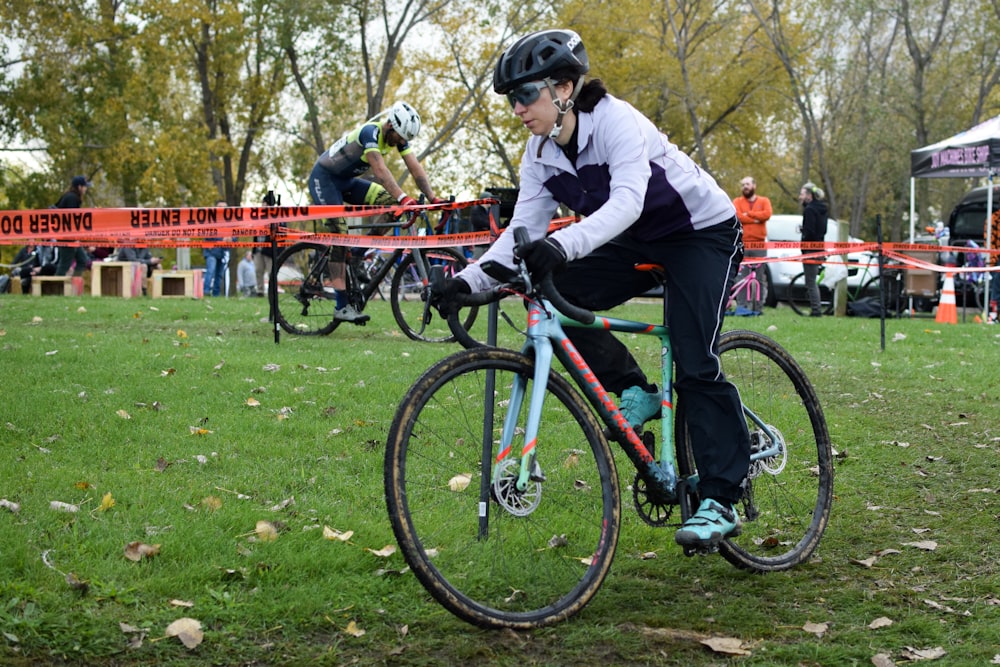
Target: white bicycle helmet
<point>405,120</point>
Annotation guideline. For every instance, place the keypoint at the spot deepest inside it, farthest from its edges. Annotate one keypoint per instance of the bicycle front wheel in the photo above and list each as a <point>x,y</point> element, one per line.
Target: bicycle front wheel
<point>409,291</point>
<point>789,490</point>
<point>494,555</point>
<point>798,297</point>
<point>305,297</point>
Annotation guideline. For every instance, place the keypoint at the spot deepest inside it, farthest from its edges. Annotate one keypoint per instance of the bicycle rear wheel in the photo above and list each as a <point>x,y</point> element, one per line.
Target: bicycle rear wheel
<point>798,297</point>
<point>305,297</point>
<point>786,503</point>
<point>494,556</point>
<point>408,296</point>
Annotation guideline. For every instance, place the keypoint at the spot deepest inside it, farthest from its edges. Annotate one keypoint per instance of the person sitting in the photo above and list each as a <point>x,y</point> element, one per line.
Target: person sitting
<point>143,255</point>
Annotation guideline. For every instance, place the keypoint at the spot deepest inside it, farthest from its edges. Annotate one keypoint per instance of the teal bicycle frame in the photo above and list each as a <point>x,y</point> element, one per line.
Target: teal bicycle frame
<point>545,339</point>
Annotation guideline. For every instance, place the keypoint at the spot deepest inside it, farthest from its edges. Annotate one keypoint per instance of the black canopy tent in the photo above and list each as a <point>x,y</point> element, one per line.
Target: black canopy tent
<point>974,153</point>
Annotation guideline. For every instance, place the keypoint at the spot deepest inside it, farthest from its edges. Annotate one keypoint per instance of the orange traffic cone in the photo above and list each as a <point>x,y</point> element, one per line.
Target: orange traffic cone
<point>947,313</point>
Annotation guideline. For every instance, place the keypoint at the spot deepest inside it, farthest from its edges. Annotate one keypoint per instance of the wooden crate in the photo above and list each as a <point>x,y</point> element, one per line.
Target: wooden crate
<point>122,279</point>
<point>183,283</point>
<point>51,285</point>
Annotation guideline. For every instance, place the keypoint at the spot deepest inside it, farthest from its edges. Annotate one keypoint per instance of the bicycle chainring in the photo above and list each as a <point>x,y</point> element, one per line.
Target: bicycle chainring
<point>505,493</point>
<point>653,510</point>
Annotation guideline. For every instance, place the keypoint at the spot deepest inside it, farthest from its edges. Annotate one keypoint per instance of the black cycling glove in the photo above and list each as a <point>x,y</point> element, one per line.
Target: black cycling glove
<point>444,299</point>
<point>543,257</point>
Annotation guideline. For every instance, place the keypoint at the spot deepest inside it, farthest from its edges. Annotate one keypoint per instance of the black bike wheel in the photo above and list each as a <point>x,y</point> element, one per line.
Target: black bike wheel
<point>408,295</point>
<point>786,503</point>
<point>798,298</point>
<point>493,556</point>
<point>305,299</point>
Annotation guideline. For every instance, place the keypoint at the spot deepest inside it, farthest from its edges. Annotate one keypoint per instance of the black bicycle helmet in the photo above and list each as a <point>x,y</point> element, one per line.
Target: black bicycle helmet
<point>541,55</point>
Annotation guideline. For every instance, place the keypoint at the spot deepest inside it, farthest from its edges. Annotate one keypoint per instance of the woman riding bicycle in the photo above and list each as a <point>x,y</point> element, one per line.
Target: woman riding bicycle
<point>644,201</point>
<point>334,179</point>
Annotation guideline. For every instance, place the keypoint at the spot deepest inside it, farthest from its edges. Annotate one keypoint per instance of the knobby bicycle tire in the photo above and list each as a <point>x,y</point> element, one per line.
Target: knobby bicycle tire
<point>492,556</point>
<point>787,498</point>
<point>408,296</point>
<point>798,297</point>
<point>305,300</point>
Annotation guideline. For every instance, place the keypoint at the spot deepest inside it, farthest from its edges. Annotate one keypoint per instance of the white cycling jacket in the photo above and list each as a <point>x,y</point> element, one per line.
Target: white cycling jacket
<point>628,178</point>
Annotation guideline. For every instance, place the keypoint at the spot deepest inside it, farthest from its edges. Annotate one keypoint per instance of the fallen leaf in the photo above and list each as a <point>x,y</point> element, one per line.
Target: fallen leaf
<point>926,545</point>
<point>107,502</point>
<point>181,333</point>
<point>867,562</point>
<point>283,504</point>
<point>253,402</point>
<point>59,506</point>
<point>136,551</point>
<point>727,645</point>
<point>188,630</point>
<point>384,552</point>
<point>334,534</point>
<point>818,629</point>
<point>880,622</point>
<point>211,502</point>
<point>181,603</point>
<point>911,653</point>
<point>353,630</point>
<point>266,531</point>
<point>219,366</point>
<point>198,430</point>
<point>272,367</point>
<point>460,482</point>
<point>77,584</point>
<point>10,505</point>
<point>883,660</point>
<point>123,414</point>
<point>167,372</point>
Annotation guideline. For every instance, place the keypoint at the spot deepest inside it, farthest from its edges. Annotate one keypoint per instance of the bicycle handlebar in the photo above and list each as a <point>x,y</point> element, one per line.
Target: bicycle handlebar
<point>511,280</point>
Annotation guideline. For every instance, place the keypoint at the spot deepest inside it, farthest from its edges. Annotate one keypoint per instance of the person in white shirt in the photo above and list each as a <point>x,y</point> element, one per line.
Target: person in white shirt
<point>643,201</point>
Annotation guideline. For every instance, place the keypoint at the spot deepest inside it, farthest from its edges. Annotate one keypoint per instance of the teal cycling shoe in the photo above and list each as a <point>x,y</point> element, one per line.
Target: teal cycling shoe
<point>639,406</point>
<point>712,523</point>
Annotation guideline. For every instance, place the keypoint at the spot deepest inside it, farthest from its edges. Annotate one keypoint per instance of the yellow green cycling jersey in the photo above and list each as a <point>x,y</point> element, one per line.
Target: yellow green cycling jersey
<point>348,157</point>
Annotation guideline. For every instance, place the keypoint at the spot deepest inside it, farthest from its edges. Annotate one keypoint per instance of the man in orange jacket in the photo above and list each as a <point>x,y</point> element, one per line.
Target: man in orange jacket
<point>753,211</point>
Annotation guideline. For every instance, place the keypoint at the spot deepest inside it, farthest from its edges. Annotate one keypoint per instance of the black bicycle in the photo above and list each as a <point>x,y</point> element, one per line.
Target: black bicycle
<point>306,298</point>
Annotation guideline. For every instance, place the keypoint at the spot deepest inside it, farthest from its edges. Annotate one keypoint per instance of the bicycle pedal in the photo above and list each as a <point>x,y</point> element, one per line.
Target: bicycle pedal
<point>701,551</point>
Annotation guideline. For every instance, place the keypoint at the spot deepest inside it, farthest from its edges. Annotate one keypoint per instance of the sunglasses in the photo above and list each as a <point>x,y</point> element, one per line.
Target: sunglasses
<point>526,93</point>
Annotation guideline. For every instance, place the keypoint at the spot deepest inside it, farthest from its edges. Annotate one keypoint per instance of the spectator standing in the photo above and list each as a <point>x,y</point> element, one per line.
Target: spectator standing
<point>643,201</point>
<point>753,211</point>
<point>72,258</point>
<point>814,220</point>
<point>246,275</point>
<point>994,260</point>
<point>216,259</point>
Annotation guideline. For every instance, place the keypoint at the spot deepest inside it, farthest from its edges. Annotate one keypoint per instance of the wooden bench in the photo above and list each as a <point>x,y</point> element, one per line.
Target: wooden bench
<point>51,285</point>
<point>183,283</point>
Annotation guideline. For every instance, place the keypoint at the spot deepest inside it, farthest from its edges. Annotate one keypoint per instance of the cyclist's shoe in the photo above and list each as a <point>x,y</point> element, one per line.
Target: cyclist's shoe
<point>712,523</point>
<point>350,314</point>
<point>639,406</point>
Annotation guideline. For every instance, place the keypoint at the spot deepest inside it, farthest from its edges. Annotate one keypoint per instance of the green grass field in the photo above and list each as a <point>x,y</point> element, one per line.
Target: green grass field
<point>246,478</point>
